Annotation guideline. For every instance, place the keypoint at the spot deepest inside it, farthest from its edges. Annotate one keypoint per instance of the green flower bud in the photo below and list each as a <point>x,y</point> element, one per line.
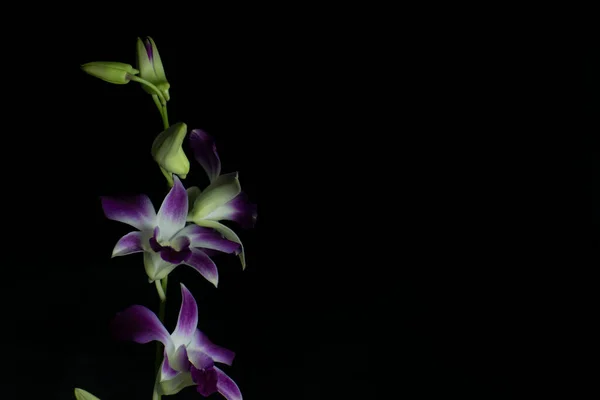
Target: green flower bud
<point>168,153</point>
<point>113,72</point>
<point>150,66</point>
<point>81,394</point>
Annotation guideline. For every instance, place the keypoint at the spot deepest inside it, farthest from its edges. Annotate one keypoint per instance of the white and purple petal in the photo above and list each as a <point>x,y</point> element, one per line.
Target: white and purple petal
<point>136,211</point>
<point>166,372</point>
<point>200,342</point>
<point>173,211</point>
<point>228,233</point>
<point>203,264</point>
<point>239,210</point>
<point>178,360</point>
<point>227,387</point>
<point>205,152</point>
<point>200,360</point>
<point>208,238</point>
<point>222,190</point>
<point>139,324</point>
<point>187,322</point>
<point>128,244</point>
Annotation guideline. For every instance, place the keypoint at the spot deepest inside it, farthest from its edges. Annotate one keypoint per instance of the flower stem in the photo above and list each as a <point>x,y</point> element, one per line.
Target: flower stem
<point>163,111</point>
<point>161,288</point>
<point>161,292</point>
<point>150,85</point>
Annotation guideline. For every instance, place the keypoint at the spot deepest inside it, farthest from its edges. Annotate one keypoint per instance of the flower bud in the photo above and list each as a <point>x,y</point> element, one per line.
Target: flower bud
<point>113,72</point>
<point>81,394</point>
<point>150,66</point>
<point>168,153</point>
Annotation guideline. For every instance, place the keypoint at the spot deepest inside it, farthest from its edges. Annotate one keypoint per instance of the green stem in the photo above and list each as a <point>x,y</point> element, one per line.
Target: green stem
<point>161,288</point>
<point>151,86</point>
<point>163,111</point>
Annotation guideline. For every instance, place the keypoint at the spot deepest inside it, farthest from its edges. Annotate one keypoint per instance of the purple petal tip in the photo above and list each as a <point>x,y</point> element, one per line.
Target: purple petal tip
<point>149,49</point>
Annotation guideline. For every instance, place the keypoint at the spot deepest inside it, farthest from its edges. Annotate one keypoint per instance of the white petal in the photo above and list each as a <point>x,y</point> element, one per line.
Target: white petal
<point>222,190</point>
<point>173,386</point>
<point>156,267</point>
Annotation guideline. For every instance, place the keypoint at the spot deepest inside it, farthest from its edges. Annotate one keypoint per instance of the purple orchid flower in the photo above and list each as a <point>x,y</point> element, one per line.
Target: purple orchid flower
<point>189,356</point>
<point>223,199</point>
<point>163,238</point>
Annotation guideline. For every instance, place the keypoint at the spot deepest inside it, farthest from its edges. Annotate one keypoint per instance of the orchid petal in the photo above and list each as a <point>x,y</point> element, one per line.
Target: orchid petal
<point>228,233</point>
<point>175,385</point>
<point>227,387</point>
<point>156,267</point>
<point>179,360</point>
<point>210,252</point>
<point>139,324</point>
<point>193,193</point>
<point>187,322</point>
<point>239,210</point>
<point>200,342</point>
<point>136,211</point>
<point>203,264</point>
<point>205,379</point>
<point>208,238</point>
<point>173,211</point>
<point>205,152</point>
<point>200,360</point>
<point>128,244</point>
<point>166,371</point>
<point>219,192</point>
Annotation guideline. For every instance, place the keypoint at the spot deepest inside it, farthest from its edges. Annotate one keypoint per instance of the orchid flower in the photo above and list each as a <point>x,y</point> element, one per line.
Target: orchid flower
<point>189,356</point>
<point>223,199</point>
<point>163,238</point>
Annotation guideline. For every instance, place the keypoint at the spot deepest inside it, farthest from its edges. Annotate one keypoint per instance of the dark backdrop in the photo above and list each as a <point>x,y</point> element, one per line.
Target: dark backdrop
<point>378,268</point>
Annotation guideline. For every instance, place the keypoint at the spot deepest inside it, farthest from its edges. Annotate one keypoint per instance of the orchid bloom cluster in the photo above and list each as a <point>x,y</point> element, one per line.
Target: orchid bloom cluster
<point>187,230</point>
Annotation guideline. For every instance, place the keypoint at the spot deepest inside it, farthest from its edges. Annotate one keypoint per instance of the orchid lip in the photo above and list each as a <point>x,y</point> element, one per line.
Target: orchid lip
<point>205,379</point>
<point>173,254</point>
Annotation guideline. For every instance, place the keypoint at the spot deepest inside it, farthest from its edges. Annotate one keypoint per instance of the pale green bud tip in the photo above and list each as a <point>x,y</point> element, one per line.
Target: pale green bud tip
<point>113,72</point>
<point>81,394</point>
<point>167,150</point>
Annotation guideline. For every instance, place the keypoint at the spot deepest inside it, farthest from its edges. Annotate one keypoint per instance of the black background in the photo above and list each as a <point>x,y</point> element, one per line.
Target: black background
<point>390,254</point>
